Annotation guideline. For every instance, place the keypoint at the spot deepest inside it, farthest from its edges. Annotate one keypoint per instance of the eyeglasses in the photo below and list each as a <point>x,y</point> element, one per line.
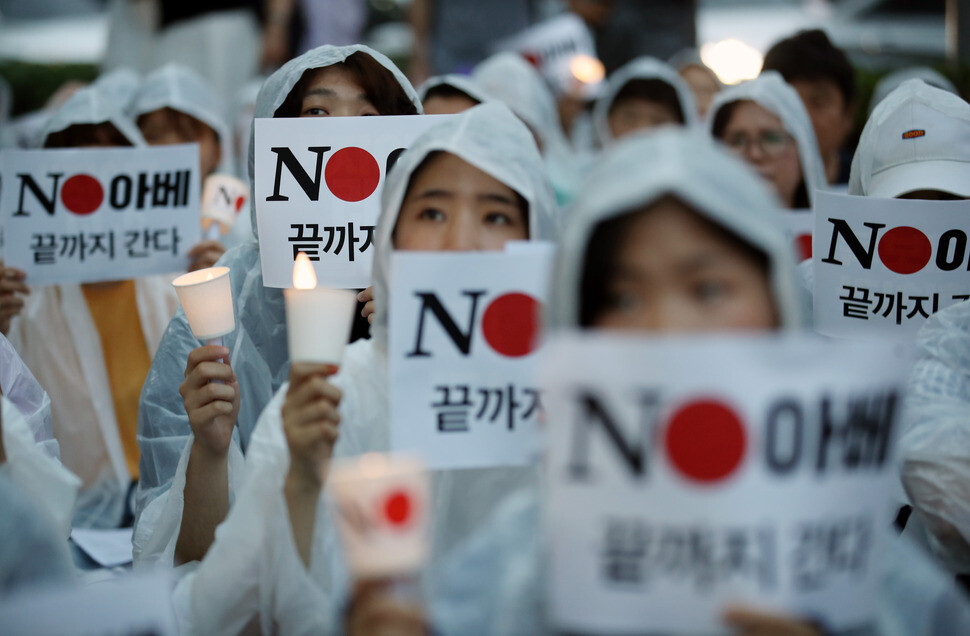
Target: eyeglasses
<point>770,142</point>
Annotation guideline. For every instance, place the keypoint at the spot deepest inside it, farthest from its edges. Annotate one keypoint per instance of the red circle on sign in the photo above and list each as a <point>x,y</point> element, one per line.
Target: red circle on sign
<point>511,324</point>
<point>352,174</point>
<point>239,203</point>
<point>705,441</point>
<point>803,246</point>
<point>82,194</point>
<point>905,250</point>
<point>397,508</point>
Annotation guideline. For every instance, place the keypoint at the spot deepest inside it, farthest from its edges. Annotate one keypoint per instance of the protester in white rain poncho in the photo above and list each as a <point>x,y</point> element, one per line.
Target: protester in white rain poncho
<point>174,106</point>
<point>935,156</point>
<point>765,122</point>
<point>60,334</point>
<point>197,116</point>
<point>449,94</point>
<point>640,95</point>
<point>704,83</point>
<point>119,85</point>
<point>255,563</point>
<point>495,582</point>
<point>42,477</point>
<point>257,349</point>
<point>891,81</point>
<point>510,79</point>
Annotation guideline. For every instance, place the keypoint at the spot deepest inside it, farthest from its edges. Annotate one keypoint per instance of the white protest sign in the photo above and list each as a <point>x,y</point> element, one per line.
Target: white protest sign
<point>464,330</point>
<point>318,190</point>
<point>551,47</point>
<point>99,214</point>
<point>128,604</point>
<point>689,474</point>
<point>883,266</point>
<point>798,226</point>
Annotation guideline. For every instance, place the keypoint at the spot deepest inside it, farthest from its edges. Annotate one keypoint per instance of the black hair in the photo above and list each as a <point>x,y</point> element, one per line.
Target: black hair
<point>381,87</point>
<point>652,90</point>
<point>601,257</point>
<point>520,200</point>
<point>800,200</point>
<point>447,91</point>
<point>811,56</point>
<point>82,135</point>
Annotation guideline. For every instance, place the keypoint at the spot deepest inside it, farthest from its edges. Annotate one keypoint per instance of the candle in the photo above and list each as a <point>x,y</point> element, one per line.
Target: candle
<point>318,320</point>
<point>382,506</point>
<point>206,297</point>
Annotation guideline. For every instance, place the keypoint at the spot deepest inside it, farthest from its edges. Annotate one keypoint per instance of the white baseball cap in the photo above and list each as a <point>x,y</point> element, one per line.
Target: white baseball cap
<point>918,138</point>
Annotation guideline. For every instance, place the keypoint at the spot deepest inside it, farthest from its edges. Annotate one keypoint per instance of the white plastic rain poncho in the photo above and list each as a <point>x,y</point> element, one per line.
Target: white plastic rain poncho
<point>462,83</point>
<point>642,68</point>
<point>90,106</point>
<point>58,340</point>
<point>509,78</point>
<point>253,564</point>
<point>42,477</point>
<point>182,89</point>
<point>495,582</point>
<point>891,81</point>
<point>772,93</point>
<point>19,385</point>
<point>936,442</point>
<point>882,128</point>
<point>120,86</point>
<point>259,355</point>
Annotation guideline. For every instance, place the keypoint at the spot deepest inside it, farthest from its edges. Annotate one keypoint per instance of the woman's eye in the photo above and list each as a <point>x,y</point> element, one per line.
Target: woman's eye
<point>431,214</point>
<point>313,111</point>
<point>710,291</point>
<point>622,301</point>
<point>498,218</point>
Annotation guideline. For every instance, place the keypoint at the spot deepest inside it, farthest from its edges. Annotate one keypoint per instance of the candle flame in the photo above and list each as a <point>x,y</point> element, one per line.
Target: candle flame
<point>587,69</point>
<point>208,275</point>
<point>303,275</point>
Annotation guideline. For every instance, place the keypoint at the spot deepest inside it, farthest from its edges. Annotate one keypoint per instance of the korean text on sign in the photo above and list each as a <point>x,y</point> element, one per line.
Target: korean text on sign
<point>883,266</point>
<point>464,336</point>
<point>687,474</point>
<point>318,190</point>
<point>89,215</point>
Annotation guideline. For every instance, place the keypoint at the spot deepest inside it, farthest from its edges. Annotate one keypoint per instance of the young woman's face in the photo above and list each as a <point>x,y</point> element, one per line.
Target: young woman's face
<point>675,272</point>
<point>759,137</point>
<point>453,206</point>
<point>164,127</point>
<point>636,113</point>
<point>334,92</point>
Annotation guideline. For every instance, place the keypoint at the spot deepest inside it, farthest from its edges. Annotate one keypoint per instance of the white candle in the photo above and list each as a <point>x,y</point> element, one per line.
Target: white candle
<point>206,297</point>
<point>318,320</point>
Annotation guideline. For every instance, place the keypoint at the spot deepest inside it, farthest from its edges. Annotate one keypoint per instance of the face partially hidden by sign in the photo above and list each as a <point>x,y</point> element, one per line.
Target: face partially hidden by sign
<point>665,268</point>
<point>333,91</point>
<point>451,205</point>
<point>167,126</point>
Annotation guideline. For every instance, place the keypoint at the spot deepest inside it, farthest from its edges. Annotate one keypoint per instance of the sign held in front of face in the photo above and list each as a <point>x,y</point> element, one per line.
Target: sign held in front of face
<point>90,215</point>
<point>464,332</point>
<point>686,475</point>
<point>883,266</point>
<point>318,190</point>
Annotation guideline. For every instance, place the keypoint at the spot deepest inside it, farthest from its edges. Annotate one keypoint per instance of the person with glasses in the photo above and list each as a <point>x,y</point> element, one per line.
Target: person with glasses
<point>764,122</point>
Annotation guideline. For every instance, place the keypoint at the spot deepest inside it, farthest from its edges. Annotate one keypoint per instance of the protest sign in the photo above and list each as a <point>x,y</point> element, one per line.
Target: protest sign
<point>688,474</point>
<point>318,190</point>
<point>99,214</point>
<point>883,266</point>
<point>128,604</point>
<point>464,331</point>
<point>552,46</point>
